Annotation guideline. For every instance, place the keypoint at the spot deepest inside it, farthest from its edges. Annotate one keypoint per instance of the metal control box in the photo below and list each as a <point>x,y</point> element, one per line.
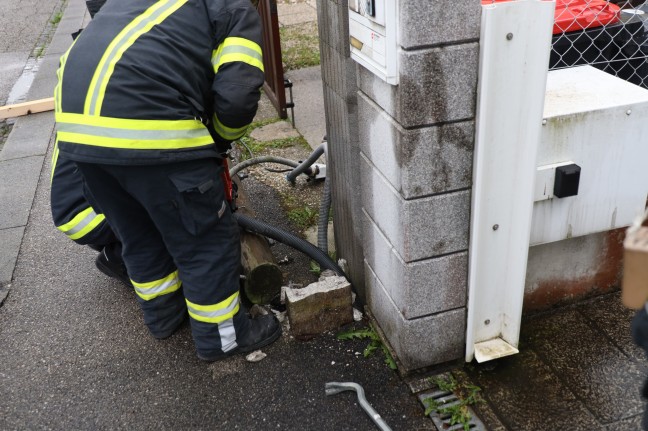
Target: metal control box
<point>373,36</point>
<point>600,123</point>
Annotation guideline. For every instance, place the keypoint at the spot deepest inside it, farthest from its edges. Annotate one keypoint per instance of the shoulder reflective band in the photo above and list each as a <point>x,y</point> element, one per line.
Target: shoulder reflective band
<point>215,313</point>
<point>153,289</point>
<point>132,134</point>
<point>228,133</point>
<point>59,74</point>
<point>237,49</point>
<point>82,223</point>
<point>124,40</point>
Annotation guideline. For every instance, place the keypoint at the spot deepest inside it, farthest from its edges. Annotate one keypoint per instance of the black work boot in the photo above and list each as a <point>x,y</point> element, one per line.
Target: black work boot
<point>110,262</point>
<point>262,331</point>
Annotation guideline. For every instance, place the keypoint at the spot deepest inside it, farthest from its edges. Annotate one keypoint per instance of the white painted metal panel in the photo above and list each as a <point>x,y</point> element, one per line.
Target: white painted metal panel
<point>374,39</point>
<point>599,122</point>
<point>515,44</point>
<point>545,180</point>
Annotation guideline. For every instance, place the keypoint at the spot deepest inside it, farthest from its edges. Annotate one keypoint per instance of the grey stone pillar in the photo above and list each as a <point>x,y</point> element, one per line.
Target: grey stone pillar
<point>416,143</point>
<point>341,107</point>
<point>414,158</point>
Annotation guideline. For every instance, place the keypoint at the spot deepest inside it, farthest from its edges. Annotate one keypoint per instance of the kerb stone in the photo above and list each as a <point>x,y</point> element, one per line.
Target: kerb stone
<point>319,307</point>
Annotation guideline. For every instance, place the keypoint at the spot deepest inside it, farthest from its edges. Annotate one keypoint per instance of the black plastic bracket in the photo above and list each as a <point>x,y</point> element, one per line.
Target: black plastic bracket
<point>567,181</point>
<point>290,104</point>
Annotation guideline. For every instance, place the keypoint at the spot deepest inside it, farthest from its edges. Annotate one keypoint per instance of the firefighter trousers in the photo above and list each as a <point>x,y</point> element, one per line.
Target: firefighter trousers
<point>180,245</point>
<point>71,212</point>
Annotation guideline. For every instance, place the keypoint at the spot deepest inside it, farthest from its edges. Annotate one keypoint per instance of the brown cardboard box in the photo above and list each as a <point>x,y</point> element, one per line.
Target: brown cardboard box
<point>634,292</point>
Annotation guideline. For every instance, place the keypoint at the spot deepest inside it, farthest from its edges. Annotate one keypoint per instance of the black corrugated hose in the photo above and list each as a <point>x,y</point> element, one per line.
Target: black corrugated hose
<point>262,228</point>
<point>292,176</point>
<point>262,159</point>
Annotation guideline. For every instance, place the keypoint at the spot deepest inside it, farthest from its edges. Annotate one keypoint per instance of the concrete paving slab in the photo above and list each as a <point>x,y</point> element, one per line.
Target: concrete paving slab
<point>526,395</point>
<point>296,13</point>
<point>46,78</point>
<point>29,136</point>
<point>272,131</point>
<point>599,374</point>
<point>59,45</point>
<point>308,96</point>
<point>10,239</point>
<point>18,180</point>
<point>266,109</point>
<point>608,314</point>
<point>73,19</point>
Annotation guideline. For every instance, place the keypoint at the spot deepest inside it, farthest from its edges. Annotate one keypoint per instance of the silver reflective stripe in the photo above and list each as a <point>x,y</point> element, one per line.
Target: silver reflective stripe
<point>216,313</point>
<point>222,210</point>
<point>124,40</point>
<point>83,223</point>
<point>237,49</point>
<point>227,335</point>
<point>158,289</point>
<point>112,132</point>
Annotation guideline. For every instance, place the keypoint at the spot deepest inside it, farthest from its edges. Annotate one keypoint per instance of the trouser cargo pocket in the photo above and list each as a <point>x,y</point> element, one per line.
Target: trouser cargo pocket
<point>201,196</point>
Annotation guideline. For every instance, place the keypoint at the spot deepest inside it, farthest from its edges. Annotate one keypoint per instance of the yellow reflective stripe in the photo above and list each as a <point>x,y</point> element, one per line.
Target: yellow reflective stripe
<point>59,74</point>
<point>237,49</point>
<point>82,223</point>
<point>55,155</point>
<point>228,133</point>
<point>125,39</point>
<point>128,123</point>
<point>131,144</point>
<point>153,289</point>
<point>216,313</point>
<point>132,134</point>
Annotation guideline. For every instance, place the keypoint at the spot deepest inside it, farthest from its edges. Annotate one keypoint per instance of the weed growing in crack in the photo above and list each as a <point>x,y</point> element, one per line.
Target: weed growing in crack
<point>56,18</point>
<point>315,268</point>
<point>252,147</point>
<point>375,343</point>
<point>304,216</point>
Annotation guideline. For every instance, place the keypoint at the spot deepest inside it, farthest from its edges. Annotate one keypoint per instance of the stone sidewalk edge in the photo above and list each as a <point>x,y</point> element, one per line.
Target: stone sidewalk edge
<point>23,155</point>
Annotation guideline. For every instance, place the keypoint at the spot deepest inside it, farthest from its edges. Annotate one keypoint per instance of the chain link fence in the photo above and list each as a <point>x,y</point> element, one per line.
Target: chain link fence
<point>609,35</point>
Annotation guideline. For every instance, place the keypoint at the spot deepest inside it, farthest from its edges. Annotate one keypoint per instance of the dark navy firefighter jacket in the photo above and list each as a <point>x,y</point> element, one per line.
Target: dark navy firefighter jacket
<point>152,82</point>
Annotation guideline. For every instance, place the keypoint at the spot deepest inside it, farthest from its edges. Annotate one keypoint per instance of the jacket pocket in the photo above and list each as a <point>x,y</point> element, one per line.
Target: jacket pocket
<point>201,197</point>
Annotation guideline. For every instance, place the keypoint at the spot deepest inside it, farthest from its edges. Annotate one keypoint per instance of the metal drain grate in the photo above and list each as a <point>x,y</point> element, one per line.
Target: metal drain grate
<point>442,422</point>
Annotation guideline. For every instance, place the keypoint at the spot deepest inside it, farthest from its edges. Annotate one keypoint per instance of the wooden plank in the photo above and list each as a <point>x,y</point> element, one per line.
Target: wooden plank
<point>263,277</point>
<point>26,108</point>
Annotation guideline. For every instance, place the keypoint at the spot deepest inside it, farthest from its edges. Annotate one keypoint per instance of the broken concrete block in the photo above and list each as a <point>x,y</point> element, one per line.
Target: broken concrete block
<point>319,307</point>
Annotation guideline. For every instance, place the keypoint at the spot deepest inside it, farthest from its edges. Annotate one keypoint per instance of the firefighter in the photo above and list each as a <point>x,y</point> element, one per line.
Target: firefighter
<point>149,98</point>
<point>73,215</point>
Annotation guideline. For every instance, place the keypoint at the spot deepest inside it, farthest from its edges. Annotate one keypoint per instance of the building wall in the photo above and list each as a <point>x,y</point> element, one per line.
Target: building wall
<point>566,271</point>
<point>409,148</point>
<point>340,104</point>
<point>402,163</point>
